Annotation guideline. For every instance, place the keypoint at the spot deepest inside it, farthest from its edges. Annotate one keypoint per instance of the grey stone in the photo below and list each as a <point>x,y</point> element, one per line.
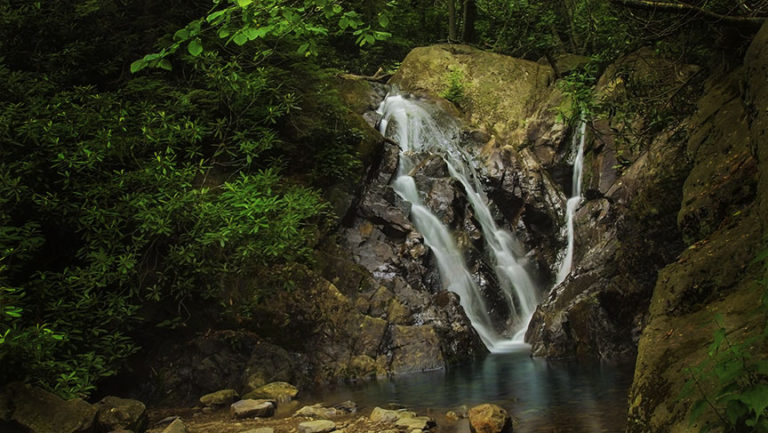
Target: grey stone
<point>252,408</point>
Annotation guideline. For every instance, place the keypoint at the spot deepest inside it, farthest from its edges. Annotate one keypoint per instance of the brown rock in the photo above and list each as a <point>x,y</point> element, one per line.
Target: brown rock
<point>489,418</point>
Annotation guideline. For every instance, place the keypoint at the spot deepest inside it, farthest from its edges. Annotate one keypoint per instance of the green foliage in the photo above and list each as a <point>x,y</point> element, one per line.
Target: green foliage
<point>306,24</point>
<point>578,88</point>
<point>737,373</point>
<point>454,88</point>
<point>123,205</point>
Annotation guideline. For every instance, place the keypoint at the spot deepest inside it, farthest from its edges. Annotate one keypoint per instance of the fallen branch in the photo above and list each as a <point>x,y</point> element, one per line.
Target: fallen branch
<point>677,6</point>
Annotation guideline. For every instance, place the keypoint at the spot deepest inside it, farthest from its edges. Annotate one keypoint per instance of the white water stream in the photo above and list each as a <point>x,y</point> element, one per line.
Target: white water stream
<point>573,202</point>
<point>420,134</point>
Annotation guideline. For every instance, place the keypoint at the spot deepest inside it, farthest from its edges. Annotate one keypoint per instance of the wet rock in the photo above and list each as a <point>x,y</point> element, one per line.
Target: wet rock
<point>320,426</point>
<point>416,348</point>
<point>279,391</point>
<point>177,426</point>
<point>489,418</point>
<point>252,408</point>
<point>347,406</point>
<point>220,398</point>
<point>363,366</point>
<point>116,413</point>
<point>42,412</point>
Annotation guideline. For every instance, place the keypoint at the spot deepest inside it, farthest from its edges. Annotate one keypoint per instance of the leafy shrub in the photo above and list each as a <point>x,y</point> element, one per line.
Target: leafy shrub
<point>454,88</point>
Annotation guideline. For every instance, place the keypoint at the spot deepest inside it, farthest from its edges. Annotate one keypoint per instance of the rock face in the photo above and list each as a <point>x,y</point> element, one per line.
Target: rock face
<point>723,217</point>
<point>626,225</point>
<point>489,418</point>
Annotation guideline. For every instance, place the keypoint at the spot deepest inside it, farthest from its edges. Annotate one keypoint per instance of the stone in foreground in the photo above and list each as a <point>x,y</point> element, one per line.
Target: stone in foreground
<point>177,426</point>
<point>489,418</point>
<point>252,408</point>
<point>42,412</point>
<point>261,430</point>
<point>121,414</point>
<point>320,426</point>
<point>220,398</point>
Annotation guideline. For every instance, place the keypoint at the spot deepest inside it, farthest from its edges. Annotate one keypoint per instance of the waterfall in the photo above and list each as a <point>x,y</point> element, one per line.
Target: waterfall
<point>573,201</point>
<point>419,135</point>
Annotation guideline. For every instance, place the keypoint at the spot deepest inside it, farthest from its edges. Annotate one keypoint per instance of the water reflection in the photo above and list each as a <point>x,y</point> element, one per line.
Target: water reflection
<point>545,396</point>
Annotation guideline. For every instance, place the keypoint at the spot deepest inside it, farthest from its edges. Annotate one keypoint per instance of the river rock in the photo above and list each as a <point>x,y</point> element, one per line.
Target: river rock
<point>389,416</point>
<point>415,422</point>
<point>489,418</point>
<point>220,398</point>
<point>320,426</point>
<point>279,391</point>
<point>260,430</point>
<point>317,411</point>
<point>43,412</point>
<point>177,426</point>
<point>116,413</point>
<point>416,348</point>
<point>252,408</point>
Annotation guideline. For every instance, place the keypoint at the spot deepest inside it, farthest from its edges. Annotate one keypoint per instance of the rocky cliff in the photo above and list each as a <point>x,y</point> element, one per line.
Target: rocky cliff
<point>723,218</point>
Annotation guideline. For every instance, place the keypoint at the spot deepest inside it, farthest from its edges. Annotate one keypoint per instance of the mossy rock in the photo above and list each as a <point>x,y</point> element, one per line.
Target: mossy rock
<point>498,92</point>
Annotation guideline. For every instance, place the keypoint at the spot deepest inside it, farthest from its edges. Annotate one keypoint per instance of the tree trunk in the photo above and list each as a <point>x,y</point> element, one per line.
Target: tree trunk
<point>470,15</point>
<point>451,21</point>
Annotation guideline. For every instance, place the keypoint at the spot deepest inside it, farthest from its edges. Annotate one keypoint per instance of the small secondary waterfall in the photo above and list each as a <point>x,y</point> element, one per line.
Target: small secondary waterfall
<point>573,201</point>
<point>420,134</point>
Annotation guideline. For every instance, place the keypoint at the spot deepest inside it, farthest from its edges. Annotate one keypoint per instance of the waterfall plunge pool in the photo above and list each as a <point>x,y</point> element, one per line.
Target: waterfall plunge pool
<point>560,396</point>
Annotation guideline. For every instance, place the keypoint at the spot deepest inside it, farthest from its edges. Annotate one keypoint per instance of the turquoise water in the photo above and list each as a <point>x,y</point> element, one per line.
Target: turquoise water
<point>573,396</point>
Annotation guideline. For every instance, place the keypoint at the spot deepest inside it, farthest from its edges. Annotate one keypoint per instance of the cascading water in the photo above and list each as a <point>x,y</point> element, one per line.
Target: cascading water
<point>573,202</point>
<point>419,134</point>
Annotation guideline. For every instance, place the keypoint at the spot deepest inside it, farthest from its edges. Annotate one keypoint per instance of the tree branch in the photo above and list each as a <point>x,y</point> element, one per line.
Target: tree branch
<point>677,6</point>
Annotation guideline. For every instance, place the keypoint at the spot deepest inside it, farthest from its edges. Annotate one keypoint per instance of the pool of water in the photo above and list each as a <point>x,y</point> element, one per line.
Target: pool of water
<point>573,396</point>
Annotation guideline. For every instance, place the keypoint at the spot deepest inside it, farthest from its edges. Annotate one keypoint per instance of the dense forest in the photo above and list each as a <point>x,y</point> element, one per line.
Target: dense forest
<point>166,166</point>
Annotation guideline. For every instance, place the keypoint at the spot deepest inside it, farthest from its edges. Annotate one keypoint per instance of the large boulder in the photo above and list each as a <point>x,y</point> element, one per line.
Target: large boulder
<point>42,412</point>
<point>489,418</point>
<point>499,92</point>
<point>116,413</point>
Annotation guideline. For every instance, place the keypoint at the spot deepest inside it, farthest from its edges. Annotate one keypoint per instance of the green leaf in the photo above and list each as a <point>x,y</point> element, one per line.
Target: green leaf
<point>244,3</point>
<point>696,410</point>
<point>383,20</point>
<point>181,35</point>
<point>240,38</point>
<point>756,399</point>
<point>213,16</point>
<point>165,64</point>
<point>195,47</point>
<point>138,65</point>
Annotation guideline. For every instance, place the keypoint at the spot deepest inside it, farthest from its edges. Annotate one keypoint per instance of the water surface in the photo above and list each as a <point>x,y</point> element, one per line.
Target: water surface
<point>544,396</point>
